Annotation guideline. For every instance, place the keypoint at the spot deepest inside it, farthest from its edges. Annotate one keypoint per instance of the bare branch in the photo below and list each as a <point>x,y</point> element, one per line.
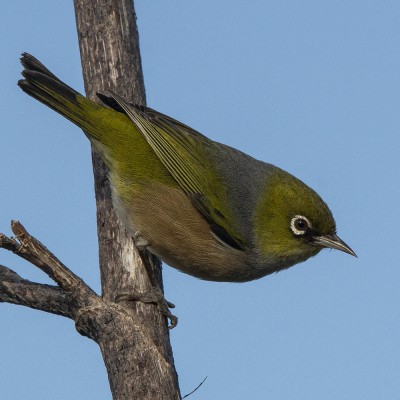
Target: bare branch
<point>73,299</point>
<point>68,299</point>
<point>36,253</point>
<point>16,290</point>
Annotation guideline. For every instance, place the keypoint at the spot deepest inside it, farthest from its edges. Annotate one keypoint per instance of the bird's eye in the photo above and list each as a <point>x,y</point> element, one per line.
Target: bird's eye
<point>299,225</point>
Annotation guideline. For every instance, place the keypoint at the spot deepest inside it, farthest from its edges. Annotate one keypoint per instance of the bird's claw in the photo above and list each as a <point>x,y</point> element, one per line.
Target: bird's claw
<point>153,295</point>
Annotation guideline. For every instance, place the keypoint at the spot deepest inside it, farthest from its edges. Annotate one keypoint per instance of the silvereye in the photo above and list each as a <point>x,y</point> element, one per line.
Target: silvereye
<point>204,208</point>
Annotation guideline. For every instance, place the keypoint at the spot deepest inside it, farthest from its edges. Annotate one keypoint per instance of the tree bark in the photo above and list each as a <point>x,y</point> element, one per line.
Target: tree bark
<point>110,56</point>
<point>133,336</point>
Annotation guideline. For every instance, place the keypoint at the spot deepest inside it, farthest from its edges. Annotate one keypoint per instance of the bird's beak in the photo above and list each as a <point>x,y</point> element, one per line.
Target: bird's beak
<point>334,242</point>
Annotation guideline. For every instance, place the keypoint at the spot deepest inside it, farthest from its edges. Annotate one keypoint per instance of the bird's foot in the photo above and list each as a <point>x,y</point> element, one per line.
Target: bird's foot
<point>153,295</point>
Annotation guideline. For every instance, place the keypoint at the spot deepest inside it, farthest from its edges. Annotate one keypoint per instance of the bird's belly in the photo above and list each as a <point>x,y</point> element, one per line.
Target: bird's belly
<point>165,220</point>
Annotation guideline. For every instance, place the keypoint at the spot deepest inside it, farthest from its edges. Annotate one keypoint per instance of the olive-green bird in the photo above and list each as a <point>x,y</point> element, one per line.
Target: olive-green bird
<point>204,208</point>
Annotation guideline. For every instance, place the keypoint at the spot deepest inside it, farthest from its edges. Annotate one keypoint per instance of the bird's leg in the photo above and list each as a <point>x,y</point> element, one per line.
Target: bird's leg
<point>154,294</point>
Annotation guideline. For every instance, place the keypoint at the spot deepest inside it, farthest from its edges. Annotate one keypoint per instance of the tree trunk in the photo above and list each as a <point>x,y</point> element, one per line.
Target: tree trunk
<point>110,56</point>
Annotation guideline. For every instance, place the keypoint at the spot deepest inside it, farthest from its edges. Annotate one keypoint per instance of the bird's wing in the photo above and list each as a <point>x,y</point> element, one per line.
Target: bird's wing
<point>183,151</point>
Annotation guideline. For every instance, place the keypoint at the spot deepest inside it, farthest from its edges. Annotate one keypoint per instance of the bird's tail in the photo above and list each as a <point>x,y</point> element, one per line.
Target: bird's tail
<point>44,86</point>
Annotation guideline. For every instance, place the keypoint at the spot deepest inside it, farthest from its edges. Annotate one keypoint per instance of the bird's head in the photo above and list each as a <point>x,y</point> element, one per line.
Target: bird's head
<point>292,222</point>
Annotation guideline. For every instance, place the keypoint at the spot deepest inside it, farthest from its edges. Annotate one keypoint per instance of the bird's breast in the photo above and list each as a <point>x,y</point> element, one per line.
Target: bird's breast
<point>165,218</point>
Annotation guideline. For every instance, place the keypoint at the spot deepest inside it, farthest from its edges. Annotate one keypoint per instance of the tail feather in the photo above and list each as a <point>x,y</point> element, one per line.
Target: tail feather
<point>44,86</point>
<point>31,63</point>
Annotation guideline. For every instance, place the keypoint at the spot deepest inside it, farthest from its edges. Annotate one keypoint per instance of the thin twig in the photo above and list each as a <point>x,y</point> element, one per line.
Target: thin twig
<point>187,395</point>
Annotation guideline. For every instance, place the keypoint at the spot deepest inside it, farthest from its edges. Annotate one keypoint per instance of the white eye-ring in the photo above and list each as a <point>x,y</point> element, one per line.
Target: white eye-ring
<point>300,225</point>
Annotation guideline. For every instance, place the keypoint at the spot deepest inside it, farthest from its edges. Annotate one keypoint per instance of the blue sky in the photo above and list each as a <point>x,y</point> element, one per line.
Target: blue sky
<point>311,86</point>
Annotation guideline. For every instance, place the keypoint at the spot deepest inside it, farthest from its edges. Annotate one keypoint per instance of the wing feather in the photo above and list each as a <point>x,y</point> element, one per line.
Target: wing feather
<point>183,151</point>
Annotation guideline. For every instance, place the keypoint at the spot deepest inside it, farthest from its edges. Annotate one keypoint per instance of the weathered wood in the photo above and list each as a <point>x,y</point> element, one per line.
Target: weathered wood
<point>16,290</point>
<point>109,45</point>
